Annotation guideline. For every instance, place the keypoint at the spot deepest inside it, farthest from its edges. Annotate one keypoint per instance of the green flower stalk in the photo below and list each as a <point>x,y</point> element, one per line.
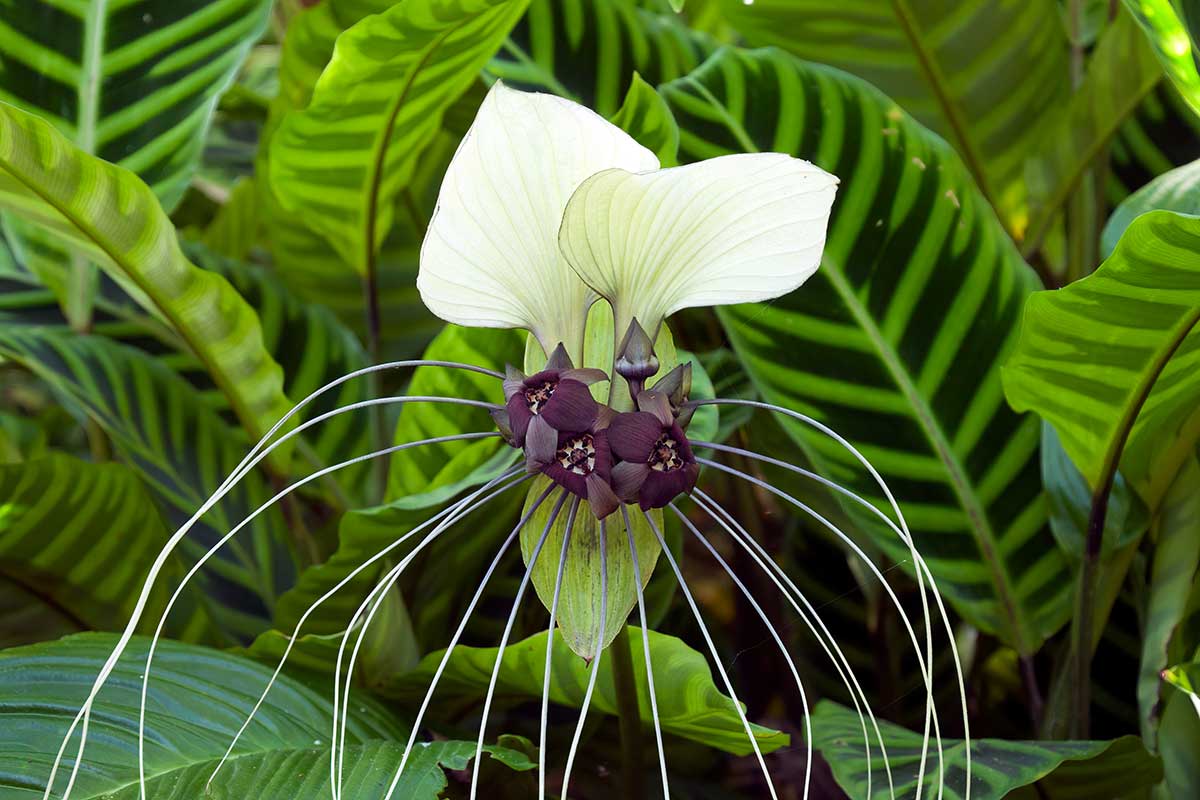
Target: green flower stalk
<point>546,210</point>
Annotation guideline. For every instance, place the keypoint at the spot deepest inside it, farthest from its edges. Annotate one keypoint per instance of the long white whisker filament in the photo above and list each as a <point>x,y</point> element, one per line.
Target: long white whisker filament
<point>195,568</point>
<point>84,714</point>
<point>738,533</point>
<point>641,604</point>
<point>512,619</point>
<point>808,737</point>
<point>595,670</point>
<point>712,649</point>
<point>462,626</point>
<point>455,512</point>
<point>558,579</point>
<point>375,599</point>
<point>922,567</point>
<point>923,665</point>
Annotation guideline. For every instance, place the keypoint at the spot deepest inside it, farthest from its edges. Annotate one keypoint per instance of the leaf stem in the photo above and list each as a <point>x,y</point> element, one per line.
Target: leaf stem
<point>1082,629</point>
<point>375,383</point>
<point>628,714</point>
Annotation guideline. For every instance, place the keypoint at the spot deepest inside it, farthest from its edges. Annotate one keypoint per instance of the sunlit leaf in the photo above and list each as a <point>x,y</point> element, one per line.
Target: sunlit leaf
<point>1115,353</point>
<point>112,216</point>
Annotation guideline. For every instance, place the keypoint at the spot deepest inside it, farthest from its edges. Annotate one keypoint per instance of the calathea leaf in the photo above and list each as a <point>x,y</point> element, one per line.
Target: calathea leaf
<point>306,261</point>
<point>161,426</point>
<point>82,537</point>
<point>1171,38</point>
<point>1125,391</point>
<point>110,215</point>
<point>1121,72</point>
<point>914,52</point>
<point>588,50</point>
<point>916,298</point>
<point>128,93</point>
<point>1000,768</point>
<point>689,704</point>
<point>373,110</point>
<point>284,754</point>
<point>1174,190</point>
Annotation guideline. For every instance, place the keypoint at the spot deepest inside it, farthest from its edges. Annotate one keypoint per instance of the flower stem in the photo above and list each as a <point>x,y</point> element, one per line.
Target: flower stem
<point>629,715</point>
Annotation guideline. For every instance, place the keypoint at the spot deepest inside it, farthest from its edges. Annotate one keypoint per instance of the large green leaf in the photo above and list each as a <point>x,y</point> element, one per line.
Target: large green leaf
<point>198,699</point>
<point>999,768</point>
<point>1169,35</point>
<point>81,537</point>
<point>134,83</point>
<point>159,424</point>
<point>895,342</point>
<point>342,160</point>
<point>1114,354</point>
<point>1162,134</point>
<point>985,75</point>
<point>1174,570</point>
<point>1121,73</point>
<point>1175,190</point>
<point>588,50</point>
<point>305,260</point>
<point>689,704</point>
<point>113,217</point>
<point>421,470</point>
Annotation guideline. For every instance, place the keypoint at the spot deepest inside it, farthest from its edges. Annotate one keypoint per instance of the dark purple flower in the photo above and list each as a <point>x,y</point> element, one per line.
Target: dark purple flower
<point>579,461</point>
<point>657,464</point>
<point>557,397</point>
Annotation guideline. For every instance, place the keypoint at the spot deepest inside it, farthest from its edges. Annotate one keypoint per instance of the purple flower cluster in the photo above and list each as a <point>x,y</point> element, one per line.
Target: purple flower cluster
<point>594,452</point>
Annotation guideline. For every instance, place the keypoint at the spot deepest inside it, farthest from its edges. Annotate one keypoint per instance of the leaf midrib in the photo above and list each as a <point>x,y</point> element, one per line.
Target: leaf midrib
<point>929,66</point>
<point>91,73</point>
<point>979,525</point>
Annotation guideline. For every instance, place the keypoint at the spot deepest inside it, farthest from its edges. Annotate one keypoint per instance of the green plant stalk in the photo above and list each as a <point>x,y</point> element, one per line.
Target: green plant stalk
<point>628,714</point>
<point>374,379</point>
<point>1082,627</point>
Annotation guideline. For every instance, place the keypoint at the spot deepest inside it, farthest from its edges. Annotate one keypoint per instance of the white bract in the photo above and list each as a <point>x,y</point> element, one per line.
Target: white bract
<point>547,206</point>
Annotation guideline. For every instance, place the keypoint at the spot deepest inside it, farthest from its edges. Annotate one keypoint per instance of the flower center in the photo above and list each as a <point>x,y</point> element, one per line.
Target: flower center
<point>665,455</point>
<point>536,396</point>
<point>578,455</point>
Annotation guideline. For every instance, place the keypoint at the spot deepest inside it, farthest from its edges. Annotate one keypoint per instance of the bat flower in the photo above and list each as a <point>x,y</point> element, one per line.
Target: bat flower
<point>556,398</point>
<point>656,461</point>
<point>580,461</point>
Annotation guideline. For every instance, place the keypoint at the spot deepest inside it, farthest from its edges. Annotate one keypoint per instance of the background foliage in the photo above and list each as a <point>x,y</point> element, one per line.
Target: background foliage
<point>209,208</point>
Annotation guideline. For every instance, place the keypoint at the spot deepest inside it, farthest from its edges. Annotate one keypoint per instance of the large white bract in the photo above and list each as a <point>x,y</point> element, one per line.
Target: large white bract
<point>547,206</point>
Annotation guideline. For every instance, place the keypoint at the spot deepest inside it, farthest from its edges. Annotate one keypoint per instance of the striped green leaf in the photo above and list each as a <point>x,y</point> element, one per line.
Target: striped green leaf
<point>183,449</point>
<point>1018,770</point>
<point>342,160</point>
<point>1175,190</point>
<point>1122,71</point>
<point>589,50</point>
<point>646,117</point>
<point>1167,32</point>
<point>112,216</point>
<point>689,704</point>
<point>283,755</point>
<point>987,76</point>
<point>134,83</point>
<point>1175,569</point>
<point>308,342</point>
<point>81,538</point>
<point>896,341</point>
<point>1115,354</point>
<point>303,258</point>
